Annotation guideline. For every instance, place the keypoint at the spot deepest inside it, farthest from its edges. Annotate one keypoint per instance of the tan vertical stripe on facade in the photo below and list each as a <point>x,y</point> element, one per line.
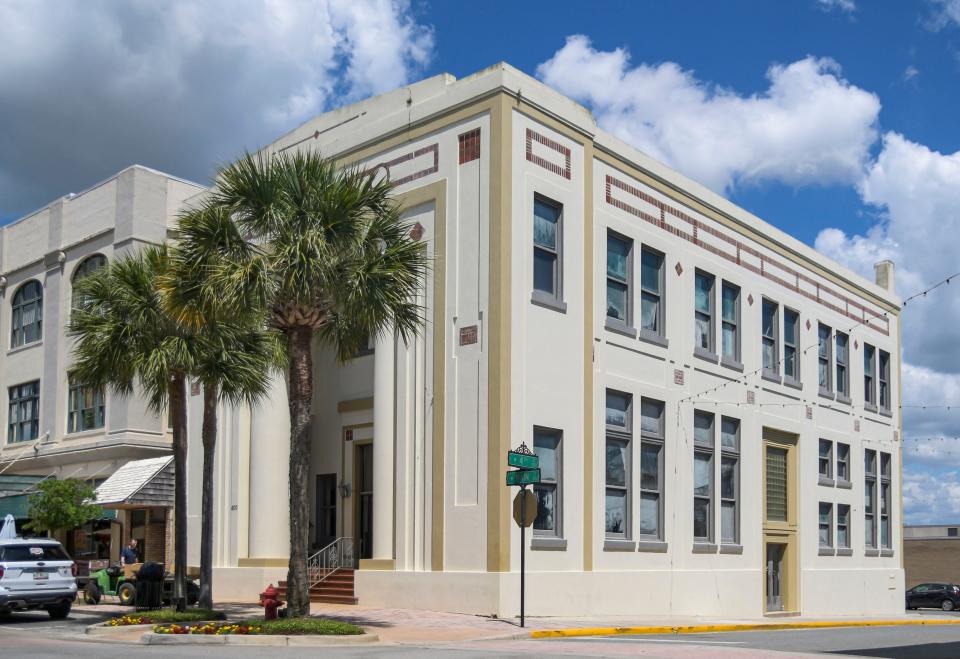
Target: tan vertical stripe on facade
<point>588,238</point>
<point>499,392</point>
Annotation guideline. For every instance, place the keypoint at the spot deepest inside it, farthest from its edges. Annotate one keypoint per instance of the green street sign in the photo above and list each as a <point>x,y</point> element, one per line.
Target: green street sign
<point>523,477</point>
<point>522,460</point>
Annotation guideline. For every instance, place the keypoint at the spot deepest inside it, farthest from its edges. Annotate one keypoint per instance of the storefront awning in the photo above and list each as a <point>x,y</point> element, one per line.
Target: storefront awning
<point>15,494</point>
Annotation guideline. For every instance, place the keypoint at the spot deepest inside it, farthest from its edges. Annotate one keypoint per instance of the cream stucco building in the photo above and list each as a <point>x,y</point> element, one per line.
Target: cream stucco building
<point>715,404</point>
<point>52,427</point>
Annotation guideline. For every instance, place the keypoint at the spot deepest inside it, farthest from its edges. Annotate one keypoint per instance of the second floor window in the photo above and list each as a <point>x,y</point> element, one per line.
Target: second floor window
<point>26,321</point>
<point>23,414</point>
<point>869,379</point>
<point>841,341</point>
<point>823,359</point>
<point>791,341</point>
<point>771,358</point>
<point>651,293</point>
<point>703,313</point>
<point>619,275</point>
<point>883,378</point>
<point>730,316</point>
<point>843,463</point>
<point>547,232</point>
<point>85,407</point>
<point>825,460</point>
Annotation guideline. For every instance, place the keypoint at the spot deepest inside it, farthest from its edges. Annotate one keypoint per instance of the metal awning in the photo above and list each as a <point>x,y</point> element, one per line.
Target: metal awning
<point>15,494</point>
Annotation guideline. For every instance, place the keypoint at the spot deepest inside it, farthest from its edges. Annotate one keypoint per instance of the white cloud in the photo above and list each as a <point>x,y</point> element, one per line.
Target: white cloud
<point>95,85</point>
<point>810,126</point>
<point>910,73</point>
<point>845,6</point>
<point>931,498</point>
<point>944,12</point>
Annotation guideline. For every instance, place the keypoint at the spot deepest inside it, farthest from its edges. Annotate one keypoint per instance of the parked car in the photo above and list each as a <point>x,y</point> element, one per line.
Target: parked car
<point>934,595</point>
<point>36,573</point>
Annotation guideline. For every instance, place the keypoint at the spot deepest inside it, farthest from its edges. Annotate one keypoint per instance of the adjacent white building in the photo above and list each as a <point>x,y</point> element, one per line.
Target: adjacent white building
<point>714,404</point>
<point>53,427</point>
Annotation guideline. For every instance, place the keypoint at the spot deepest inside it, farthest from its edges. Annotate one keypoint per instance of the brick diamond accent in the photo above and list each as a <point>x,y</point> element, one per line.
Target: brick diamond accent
<point>750,299</point>
<point>678,268</point>
<point>677,376</point>
<point>856,344</point>
<point>808,323</point>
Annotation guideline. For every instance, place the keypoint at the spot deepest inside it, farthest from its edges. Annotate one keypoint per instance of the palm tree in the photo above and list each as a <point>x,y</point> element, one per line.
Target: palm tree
<point>325,253</point>
<point>235,356</point>
<point>126,339</point>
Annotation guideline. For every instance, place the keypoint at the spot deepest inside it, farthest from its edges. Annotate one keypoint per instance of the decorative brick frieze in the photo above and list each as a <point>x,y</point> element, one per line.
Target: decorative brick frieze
<point>469,143</point>
<point>716,241</point>
<point>533,138</point>
<point>431,151</point>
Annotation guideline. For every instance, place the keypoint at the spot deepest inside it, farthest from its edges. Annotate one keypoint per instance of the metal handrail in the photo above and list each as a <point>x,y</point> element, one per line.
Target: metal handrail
<point>337,555</point>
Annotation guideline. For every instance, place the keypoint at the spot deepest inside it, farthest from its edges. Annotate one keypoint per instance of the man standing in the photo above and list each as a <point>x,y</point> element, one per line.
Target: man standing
<point>128,555</point>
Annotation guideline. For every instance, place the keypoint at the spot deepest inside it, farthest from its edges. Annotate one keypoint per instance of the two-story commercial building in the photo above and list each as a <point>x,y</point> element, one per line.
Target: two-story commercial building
<point>715,405</point>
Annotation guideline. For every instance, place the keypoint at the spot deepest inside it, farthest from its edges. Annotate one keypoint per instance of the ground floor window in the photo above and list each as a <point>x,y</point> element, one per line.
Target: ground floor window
<point>547,446</point>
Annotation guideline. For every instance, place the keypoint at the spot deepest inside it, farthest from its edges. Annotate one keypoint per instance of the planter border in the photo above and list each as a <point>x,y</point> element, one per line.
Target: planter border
<point>276,640</point>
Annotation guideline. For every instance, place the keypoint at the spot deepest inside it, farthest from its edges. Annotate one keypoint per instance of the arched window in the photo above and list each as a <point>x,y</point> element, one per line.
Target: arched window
<point>87,267</point>
<point>27,325</point>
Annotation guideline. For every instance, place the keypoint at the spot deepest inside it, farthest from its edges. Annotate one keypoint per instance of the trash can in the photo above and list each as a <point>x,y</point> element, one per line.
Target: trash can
<point>149,593</point>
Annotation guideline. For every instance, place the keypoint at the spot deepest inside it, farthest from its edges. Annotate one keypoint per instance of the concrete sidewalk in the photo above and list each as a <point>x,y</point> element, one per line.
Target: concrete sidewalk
<point>415,626</point>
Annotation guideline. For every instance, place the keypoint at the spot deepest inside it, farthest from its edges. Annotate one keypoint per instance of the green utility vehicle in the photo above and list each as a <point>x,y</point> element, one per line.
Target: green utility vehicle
<point>112,581</point>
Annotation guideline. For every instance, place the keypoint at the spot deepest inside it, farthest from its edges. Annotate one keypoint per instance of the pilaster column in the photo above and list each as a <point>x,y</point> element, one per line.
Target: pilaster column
<point>269,529</point>
<point>384,397</point>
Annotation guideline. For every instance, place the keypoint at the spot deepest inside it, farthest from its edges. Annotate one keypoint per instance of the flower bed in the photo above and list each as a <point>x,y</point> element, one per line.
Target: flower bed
<point>208,628</point>
<point>280,627</point>
<point>164,616</point>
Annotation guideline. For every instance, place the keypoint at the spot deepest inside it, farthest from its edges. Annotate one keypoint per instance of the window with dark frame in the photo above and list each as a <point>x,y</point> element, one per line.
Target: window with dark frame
<point>619,280</point>
<point>824,372</point>
<point>652,282</point>
<point>843,526</point>
<point>548,445</point>
<point>770,347</point>
<point>26,321</point>
<point>703,450</point>
<point>843,462</point>
<point>883,378</point>
<point>703,313</point>
<point>791,340</point>
<point>825,460</point>
<point>729,480</point>
<point>870,498</point>
<point>547,248</point>
<point>869,382</point>
<point>86,268</point>
<point>618,439</point>
<point>85,406</point>
<point>841,341</point>
<point>23,413</point>
<point>886,532</point>
<point>652,440</point>
<point>730,317</point>
<point>826,525</point>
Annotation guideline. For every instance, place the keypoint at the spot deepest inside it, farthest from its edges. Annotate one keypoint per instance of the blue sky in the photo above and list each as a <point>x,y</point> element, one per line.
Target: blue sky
<point>835,120</point>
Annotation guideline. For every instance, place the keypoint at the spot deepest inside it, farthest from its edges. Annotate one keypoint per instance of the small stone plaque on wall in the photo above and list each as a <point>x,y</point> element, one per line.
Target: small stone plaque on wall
<point>678,376</point>
<point>468,335</point>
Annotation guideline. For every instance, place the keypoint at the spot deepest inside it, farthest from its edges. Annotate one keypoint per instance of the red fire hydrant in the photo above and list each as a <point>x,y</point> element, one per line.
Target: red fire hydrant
<point>269,600</point>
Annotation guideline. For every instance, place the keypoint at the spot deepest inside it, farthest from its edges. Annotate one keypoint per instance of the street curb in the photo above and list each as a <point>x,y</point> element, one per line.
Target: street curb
<point>742,627</point>
<point>274,640</point>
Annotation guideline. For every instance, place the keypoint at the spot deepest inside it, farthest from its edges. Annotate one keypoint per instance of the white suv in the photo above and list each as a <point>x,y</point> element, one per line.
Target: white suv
<point>36,573</point>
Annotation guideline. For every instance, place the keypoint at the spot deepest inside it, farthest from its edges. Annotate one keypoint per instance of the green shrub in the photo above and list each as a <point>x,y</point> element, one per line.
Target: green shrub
<point>297,626</point>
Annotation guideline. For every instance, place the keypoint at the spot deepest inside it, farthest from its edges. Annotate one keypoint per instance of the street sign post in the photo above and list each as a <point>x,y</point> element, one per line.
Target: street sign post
<point>523,477</point>
<point>524,506</point>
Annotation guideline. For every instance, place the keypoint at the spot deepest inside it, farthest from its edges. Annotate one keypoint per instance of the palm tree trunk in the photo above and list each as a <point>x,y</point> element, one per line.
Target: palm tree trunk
<point>300,392</point>
<point>209,437</point>
<point>178,414</point>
